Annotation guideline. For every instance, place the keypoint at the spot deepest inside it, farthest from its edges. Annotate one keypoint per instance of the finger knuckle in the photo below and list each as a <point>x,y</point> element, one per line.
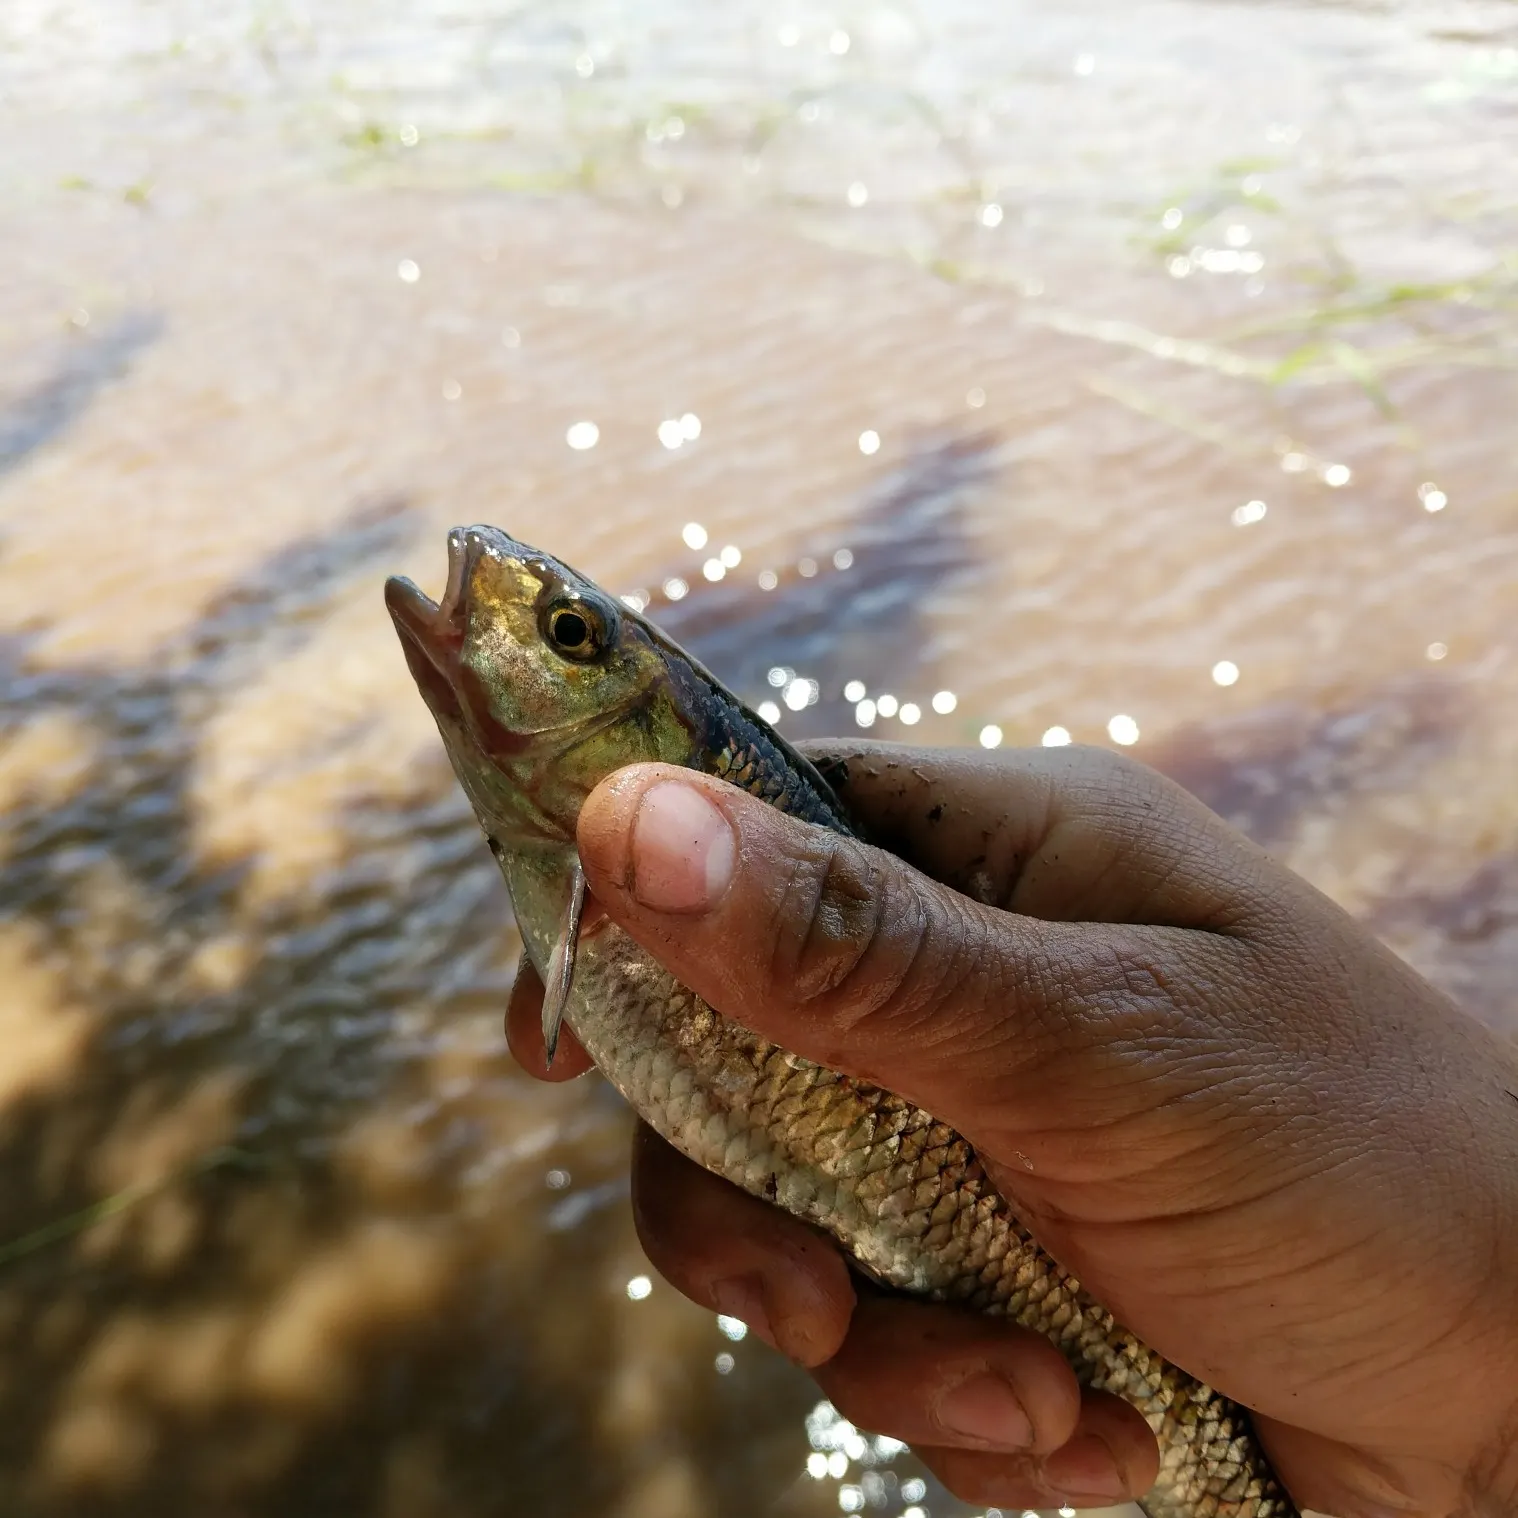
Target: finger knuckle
<point>855,931</point>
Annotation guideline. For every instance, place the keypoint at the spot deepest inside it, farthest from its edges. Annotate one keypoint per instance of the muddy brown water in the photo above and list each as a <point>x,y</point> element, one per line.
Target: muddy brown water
<point>1144,372</point>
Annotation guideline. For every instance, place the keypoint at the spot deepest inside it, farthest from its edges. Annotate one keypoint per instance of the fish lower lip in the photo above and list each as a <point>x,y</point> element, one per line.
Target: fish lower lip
<point>412,611</point>
<point>430,642</point>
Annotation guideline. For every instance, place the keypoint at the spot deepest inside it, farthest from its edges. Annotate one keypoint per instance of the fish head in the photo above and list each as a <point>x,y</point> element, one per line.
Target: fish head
<point>541,684</point>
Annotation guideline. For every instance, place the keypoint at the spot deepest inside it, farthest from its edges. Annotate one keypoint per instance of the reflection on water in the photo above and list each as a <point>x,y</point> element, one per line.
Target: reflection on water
<point>979,374</point>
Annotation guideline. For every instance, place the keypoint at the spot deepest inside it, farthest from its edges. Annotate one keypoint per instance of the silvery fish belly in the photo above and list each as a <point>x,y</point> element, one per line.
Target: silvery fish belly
<point>541,685</point>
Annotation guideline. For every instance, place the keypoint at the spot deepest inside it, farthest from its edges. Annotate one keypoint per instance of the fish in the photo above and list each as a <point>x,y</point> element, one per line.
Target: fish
<point>541,685</point>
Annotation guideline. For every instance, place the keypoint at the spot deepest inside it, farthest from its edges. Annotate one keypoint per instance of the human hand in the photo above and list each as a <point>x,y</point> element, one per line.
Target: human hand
<point>1277,1155</point>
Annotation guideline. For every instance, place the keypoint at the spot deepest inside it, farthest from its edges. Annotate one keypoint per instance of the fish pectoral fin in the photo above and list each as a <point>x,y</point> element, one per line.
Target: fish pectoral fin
<point>561,964</point>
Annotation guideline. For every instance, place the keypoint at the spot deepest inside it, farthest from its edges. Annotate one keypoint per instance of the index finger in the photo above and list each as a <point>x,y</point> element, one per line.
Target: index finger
<point>1064,835</point>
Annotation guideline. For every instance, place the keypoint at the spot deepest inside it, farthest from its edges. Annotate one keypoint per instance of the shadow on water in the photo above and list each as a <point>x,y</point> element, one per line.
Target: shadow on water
<point>1269,767</point>
<point>1465,936</point>
<point>327,1274</point>
<point>908,540</point>
<point>1275,768</point>
<point>89,366</point>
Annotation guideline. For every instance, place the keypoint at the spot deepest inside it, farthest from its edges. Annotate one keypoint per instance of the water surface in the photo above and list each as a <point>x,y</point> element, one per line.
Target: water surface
<point>1141,373</point>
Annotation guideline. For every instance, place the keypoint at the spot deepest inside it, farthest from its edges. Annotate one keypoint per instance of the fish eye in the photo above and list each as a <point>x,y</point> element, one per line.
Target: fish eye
<point>575,630</point>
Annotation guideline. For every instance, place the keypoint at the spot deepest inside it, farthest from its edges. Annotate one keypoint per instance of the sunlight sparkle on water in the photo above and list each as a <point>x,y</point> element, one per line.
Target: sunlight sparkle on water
<point>838,43</point>
<point>806,568</point>
<point>854,690</point>
<point>770,712</point>
<point>838,1464</point>
<point>800,694</point>
<point>1172,218</point>
<point>1067,1511</point>
<point>914,1512</point>
<point>975,398</point>
<point>817,1465</point>
<point>1337,475</point>
<point>768,579</point>
<point>1057,737</point>
<point>452,390</point>
<point>991,736</point>
<point>1225,672</point>
<point>675,589</point>
<point>858,194</point>
<point>781,676</point>
<point>714,569</point>
<point>731,556</point>
<point>583,435</point>
<point>639,1288</point>
<point>864,713</point>
<point>636,600</point>
<point>670,433</point>
<point>585,65</point>
<point>733,1328</point>
<point>914,1489</point>
<point>724,1364</point>
<point>1123,729</point>
<point>1085,65</point>
<point>1437,651</point>
<point>887,705</point>
<point>409,270</point>
<point>408,135</point>
<point>1249,513</point>
<point>693,535</point>
<point>843,559</point>
<point>850,1498</point>
<point>869,442</point>
<point>911,714</point>
<point>690,426</point>
<point>789,34</point>
<point>990,215</point>
<point>557,1180</point>
<point>945,702</point>
<point>1432,497</point>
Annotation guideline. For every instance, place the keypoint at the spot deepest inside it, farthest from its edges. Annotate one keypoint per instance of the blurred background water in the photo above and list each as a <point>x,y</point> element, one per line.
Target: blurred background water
<point>1138,373</point>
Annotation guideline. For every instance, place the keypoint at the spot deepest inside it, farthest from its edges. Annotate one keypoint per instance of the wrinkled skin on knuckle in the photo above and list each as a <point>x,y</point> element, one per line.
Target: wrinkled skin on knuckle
<point>847,935</point>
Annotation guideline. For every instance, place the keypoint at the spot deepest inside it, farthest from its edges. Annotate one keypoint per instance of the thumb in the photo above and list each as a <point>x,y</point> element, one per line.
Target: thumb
<point>849,957</point>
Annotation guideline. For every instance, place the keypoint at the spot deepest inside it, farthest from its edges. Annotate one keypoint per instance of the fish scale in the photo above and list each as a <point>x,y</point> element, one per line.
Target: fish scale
<point>904,1195</point>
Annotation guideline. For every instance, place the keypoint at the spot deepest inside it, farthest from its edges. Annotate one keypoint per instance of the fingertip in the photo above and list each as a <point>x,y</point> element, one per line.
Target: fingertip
<point>1112,1457</point>
<point>937,1375</point>
<point>734,1254</point>
<point>524,1033</point>
<point>603,832</point>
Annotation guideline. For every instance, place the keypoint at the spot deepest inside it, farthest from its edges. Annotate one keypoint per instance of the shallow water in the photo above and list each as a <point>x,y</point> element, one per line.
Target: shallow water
<point>1013,314</point>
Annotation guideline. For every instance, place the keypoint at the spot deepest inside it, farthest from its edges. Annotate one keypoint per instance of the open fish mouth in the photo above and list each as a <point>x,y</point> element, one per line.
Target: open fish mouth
<point>432,632</point>
<point>433,635</point>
